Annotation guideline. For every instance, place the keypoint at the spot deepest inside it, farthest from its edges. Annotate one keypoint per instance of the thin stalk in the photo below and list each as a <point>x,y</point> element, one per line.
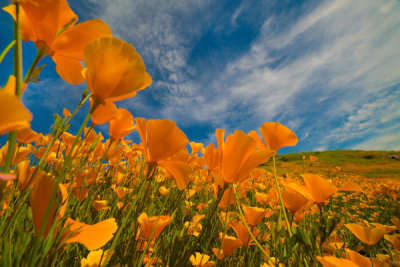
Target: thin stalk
<point>280,199</point>
<point>247,226</point>
<point>58,180</point>
<point>68,158</point>
<point>225,230</point>
<point>39,55</point>
<point>190,251</point>
<point>12,136</point>
<point>39,165</point>
<point>125,220</point>
<point>6,50</point>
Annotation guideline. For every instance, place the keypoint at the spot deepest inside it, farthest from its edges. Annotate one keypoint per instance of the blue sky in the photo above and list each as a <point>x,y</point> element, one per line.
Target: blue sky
<point>329,70</point>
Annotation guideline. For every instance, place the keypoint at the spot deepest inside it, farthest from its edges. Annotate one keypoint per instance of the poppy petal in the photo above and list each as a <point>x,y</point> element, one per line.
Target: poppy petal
<point>179,170</point>
<point>277,135</point>
<point>14,116</point>
<point>69,69</point>
<point>92,236</point>
<point>72,42</point>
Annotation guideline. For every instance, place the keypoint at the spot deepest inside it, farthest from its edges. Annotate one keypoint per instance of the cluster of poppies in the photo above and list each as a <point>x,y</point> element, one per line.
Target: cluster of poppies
<point>109,194</point>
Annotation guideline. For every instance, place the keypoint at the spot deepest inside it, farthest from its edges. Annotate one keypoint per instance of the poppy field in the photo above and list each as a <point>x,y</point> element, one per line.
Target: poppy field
<point>78,199</point>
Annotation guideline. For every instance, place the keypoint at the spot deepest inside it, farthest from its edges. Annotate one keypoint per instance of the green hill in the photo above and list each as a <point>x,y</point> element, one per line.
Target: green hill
<point>369,164</point>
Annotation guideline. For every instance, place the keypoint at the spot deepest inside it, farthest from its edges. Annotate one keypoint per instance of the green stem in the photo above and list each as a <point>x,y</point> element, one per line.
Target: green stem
<point>39,55</point>
<point>125,220</point>
<point>14,215</point>
<point>247,226</point>
<point>17,53</point>
<point>6,50</point>
<point>280,199</point>
<point>225,231</point>
<point>192,247</point>
<point>68,158</point>
<point>12,136</point>
<point>58,181</point>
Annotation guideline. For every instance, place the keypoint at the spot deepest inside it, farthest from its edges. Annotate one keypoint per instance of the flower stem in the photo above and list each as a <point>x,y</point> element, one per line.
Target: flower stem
<point>280,199</point>
<point>247,226</point>
<point>6,50</point>
<point>192,246</point>
<point>12,136</point>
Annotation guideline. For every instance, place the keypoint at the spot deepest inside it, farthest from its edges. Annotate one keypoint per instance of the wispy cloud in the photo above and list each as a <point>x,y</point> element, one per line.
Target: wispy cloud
<point>333,64</point>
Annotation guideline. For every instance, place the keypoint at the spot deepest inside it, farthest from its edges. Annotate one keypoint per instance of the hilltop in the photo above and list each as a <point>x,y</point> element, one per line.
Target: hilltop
<point>368,164</point>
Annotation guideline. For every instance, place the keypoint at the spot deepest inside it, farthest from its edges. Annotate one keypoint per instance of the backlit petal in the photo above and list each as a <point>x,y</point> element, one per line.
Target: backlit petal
<point>69,69</point>
<point>179,170</point>
<point>277,135</point>
<point>92,236</point>
<point>164,139</point>
<point>367,235</point>
<point>115,69</point>
<point>14,116</point>
<point>72,42</point>
<point>238,147</point>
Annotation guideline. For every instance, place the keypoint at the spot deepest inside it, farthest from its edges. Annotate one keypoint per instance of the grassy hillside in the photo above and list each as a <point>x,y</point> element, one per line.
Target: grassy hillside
<point>369,164</point>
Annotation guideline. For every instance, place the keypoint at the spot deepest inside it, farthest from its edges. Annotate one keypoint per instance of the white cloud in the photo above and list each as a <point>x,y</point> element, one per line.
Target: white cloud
<point>335,60</point>
<point>383,142</point>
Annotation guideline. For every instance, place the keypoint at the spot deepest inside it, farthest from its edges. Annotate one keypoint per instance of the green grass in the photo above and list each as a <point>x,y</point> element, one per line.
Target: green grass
<point>339,156</point>
<point>369,164</point>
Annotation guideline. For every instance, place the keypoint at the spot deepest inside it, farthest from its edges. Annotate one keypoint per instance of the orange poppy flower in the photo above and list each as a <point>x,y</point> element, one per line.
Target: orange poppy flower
<point>163,190</point>
<point>368,235</point>
<point>14,116</point>
<point>293,201</point>
<point>24,172</point>
<point>40,199</point>
<point>240,156</point>
<point>352,187</point>
<point>92,136</point>
<point>331,261</point>
<point>96,258</point>
<point>114,70</point>
<point>261,198</point>
<point>66,112</point>
<point>253,215</point>
<point>92,236</point>
<point>243,235</point>
<point>101,205</point>
<point>229,245</point>
<point>122,125</point>
<point>212,155</point>
<point>387,228</point>
<point>152,226</point>
<point>80,193</point>
<point>260,143</point>
<point>227,198</point>
<point>196,147</point>
<point>396,222</point>
<point>194,227</point>
<point>201,260</point>
<point>68,138</point>
<point>50,24</point>
<point>360,260</point>
<point>277,135</point>
<point>333,243</point>
<point>104,112</point>
<point>26,136</point>
<point>161,140</point>
<point>316,188</point>
<point>394,240</point>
